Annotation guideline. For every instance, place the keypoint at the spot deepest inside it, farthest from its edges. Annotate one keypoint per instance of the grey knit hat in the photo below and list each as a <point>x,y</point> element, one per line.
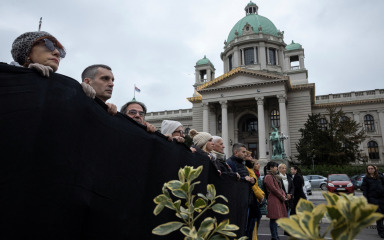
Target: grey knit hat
<point>199,138</point>
<point>22,45</point>
<point>169,126</point>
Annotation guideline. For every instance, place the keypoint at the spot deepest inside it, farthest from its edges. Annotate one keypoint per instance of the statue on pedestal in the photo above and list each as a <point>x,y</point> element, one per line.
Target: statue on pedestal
<point>277,148</point>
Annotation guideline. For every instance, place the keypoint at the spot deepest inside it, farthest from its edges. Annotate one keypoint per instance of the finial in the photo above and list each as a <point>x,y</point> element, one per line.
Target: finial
<point>41,20</point>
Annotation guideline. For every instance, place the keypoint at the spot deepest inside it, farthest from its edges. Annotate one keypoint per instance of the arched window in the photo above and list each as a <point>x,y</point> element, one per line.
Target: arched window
<point>369,123</point>
<point>219,123</point>
<point>323,124</point>
<point>248,123</point>
<point>373,150</point>
<point>251,124</point>
<point>275,118</point>
<point>249,56</point>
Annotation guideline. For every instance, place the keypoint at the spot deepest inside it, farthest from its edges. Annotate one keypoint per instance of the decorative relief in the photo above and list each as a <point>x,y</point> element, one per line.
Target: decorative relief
<point>247,29</point>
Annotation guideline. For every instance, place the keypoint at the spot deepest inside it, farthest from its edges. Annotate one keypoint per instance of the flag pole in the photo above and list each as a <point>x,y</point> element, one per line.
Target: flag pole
<point>134,91</point>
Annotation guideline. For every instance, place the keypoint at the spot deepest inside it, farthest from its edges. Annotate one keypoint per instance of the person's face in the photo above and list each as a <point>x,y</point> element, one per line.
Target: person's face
<point>178,132</point>
<point>371,170</point>
<point>42,55</point>
<point>274,169</point>
<point>256,166</point>
<point>283,170</point>
<point>248,157</point>
<point>136,112</point>
<point>102,83</point>
<point>241,153</point>
<point>218,146</point>
<point>209,145</point>
<point>293,171</point>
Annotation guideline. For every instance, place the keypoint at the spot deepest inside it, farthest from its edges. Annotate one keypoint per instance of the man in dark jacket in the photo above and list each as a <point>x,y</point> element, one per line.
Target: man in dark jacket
<point>237,162</point>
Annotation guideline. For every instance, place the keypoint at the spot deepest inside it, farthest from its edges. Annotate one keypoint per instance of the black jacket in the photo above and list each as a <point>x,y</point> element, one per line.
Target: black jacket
<point>298,184</point>
<point>238,165</point>
<point>373,190</point>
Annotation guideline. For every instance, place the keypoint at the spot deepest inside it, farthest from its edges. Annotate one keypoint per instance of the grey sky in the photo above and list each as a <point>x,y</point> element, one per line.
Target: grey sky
<point>156,44</point>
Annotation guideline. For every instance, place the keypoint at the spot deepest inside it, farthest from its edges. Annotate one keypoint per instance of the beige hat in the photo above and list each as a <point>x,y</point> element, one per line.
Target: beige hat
<point>199,138</point>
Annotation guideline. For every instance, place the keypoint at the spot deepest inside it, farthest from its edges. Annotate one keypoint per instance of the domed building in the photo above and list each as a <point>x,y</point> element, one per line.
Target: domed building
<point>265,85</point>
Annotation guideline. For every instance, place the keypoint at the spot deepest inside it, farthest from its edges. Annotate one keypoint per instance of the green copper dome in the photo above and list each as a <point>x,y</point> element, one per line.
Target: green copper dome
<point>251,4</point>
<point>293,46</point>
<point>203,61</point>
<point>256,21</point>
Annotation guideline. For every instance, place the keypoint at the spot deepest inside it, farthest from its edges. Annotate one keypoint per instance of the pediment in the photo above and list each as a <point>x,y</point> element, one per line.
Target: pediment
<point>241,77</point>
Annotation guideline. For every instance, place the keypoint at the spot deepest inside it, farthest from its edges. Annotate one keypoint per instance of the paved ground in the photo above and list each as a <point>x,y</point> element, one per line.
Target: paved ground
<point>317,198</point>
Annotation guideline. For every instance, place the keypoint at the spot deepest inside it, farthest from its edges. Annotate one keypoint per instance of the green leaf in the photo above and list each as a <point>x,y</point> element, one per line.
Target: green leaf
<point>222,197</point>
<point>219,237</point>
<point>179,193</point>
<point>231,227</point>
<point>167,228</point>
<point>185,187</point>
<point>211,191</point>
<point>304,205</point>
<point>187,172</point>
<point>226,233</point>
<point>206,226</point>
<point>185,230</point>
<point>200,203</point>
<point>181,175</point>
<point>202,196</point>
<point>222,224</point>
<point>174,184</point>
<point>177,204</point>
<point>158,209</point>
<point>195,173</point>
<point>291,225</point>
<point>220,208</point>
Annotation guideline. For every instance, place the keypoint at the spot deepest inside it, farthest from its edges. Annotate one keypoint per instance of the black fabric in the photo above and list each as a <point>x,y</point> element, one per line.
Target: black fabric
<point>69,170</point>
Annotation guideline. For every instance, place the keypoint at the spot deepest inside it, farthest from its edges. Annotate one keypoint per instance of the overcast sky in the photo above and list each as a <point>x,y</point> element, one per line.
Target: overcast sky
<point>156,44</point>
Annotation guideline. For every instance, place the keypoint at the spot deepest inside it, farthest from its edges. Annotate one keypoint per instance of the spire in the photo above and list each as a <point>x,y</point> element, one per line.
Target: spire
<point>41,20</point>
<point>251,8</point>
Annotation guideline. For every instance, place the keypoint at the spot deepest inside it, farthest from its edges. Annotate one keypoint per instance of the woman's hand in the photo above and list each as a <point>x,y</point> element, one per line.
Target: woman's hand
<point>42,69</point>
<point>88,90</point>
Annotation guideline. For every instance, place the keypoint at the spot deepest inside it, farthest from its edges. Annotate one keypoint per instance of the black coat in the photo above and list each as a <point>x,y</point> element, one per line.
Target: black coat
<point>291,190</point>
<point>238,165</point>
<point>298,183</point>
<point>373,190</point>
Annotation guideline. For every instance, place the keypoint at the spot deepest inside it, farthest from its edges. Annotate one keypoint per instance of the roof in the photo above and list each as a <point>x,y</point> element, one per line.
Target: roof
<point>204,61</point>
<point>293,46</point>
<point>256,21</point>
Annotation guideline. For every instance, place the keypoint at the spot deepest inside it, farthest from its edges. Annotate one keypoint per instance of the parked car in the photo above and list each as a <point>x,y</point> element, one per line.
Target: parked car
<point>337,183</point>
<point>357,180</point>
<point>307,186</point>
<point>318,181</point>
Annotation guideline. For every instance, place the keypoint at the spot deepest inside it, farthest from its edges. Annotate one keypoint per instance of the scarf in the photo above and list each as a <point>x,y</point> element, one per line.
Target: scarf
<point>257,173</point>
<point>276,177</point>
<point>219,156</point>
<point>284,177</point>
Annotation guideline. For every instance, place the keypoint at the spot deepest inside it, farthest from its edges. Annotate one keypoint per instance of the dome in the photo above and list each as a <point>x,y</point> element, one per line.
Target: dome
<point>203,61</point>
<point>293,46</point>
<point>255,21</point>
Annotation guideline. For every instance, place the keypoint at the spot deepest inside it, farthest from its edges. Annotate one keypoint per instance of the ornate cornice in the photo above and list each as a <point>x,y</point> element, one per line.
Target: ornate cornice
<point>357,102</point>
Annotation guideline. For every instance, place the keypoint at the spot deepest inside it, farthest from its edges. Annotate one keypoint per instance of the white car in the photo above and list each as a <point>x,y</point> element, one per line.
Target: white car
<point>307,186</point>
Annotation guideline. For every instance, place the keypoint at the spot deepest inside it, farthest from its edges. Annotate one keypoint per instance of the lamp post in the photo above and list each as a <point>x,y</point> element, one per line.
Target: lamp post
<point>313,162</point>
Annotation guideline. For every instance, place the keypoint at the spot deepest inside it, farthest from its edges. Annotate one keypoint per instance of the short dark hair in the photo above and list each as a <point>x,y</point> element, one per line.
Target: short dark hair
<point>91,71</point>
<point>237,146</point>
<point>125,106</point>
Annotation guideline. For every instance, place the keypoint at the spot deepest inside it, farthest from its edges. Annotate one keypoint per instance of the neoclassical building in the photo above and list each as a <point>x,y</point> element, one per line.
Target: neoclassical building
<point>265,84</point>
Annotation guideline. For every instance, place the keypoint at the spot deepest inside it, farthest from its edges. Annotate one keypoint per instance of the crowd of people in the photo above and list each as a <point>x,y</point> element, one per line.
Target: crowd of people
<point>280,191</point>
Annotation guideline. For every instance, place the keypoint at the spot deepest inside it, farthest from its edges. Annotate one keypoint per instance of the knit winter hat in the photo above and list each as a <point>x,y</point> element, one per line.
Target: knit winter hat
<point>199,138</point>
<point>22,45</point>
<point>169,126</point>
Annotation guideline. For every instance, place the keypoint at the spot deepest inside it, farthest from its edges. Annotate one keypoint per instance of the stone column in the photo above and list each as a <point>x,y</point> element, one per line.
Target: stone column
<point>284,123</point>
<point>242,57</point>
<point>208,75</point>
<point>255,61</point>
<point>381,120</point>
<point>263,57</point>
<point>235,58</point>
<point>261,126</point>
<point>205,117</point>
<point>301,61</point>
<point>224,126</point>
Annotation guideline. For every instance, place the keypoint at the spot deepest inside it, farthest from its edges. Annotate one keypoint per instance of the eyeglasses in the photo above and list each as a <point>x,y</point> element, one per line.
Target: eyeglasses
<point>51,47</point>
<point>181,132</point>
<point>134,112</point>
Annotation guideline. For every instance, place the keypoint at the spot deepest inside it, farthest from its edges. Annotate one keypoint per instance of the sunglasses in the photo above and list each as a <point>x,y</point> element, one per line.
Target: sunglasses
<point>51,47</point>
<point>134,112</point>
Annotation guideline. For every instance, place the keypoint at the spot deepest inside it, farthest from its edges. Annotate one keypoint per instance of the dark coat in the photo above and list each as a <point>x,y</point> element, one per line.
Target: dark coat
<point>238,165</point>
<point>298,183</point>
<point>290,190</point>
<point>222,166</point>
<point>373,190</point>
<point>276,197</point>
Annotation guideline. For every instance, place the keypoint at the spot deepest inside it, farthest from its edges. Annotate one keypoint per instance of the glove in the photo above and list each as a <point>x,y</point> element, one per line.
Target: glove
<point>43,70</point>
<point>88,90</point>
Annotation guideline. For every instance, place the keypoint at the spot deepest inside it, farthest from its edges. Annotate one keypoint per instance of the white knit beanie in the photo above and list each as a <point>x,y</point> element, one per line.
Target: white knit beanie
<point>199,138</point>
<point>169,126</point>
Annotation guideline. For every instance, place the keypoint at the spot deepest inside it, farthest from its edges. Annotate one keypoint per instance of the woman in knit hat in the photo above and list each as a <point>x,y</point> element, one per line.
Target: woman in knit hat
<point>38,50</point>
<point>202,142</point>
<point>173,130</point>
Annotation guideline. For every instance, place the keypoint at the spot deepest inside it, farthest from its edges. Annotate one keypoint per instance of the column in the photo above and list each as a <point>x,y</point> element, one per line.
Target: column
<point>301,62</point>
<point>224,126</point>
<point>235,58</point>
<point>205,117</point>
<point>242,57</point>
<point>381,120</point>
<point>255,61</point>
<point>261,126</point>
<point>209,75</point>
<point>262,58</point>
<point>284,124</point>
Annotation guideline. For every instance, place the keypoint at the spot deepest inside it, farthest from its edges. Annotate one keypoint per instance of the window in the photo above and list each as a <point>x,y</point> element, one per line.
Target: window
<point>373,150</point>
<point>275,118</point>
<point>323,124</point>
<point>344,118</point>
<point>295,64</point>
<point>369,123</point>
<point>230,62</point>
<point>272,56</point>
<point>186,131</point>
<point>251,124</point>
<point>249,56</point>
<point>219,123</point>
